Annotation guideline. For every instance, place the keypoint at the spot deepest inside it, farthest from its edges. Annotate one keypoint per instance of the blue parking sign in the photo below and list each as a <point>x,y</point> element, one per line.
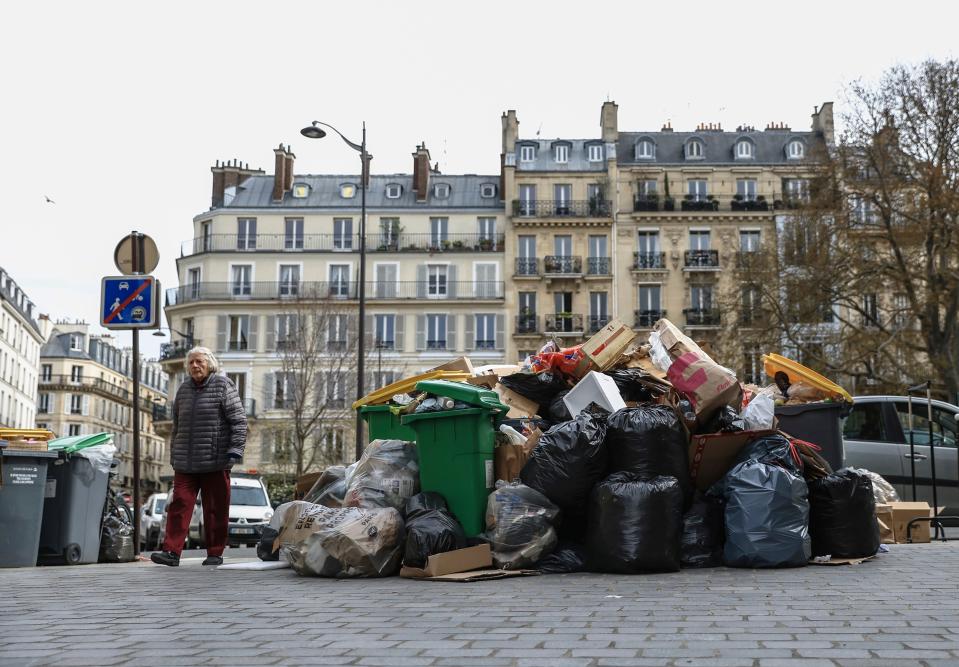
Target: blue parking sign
<point>129,302</point>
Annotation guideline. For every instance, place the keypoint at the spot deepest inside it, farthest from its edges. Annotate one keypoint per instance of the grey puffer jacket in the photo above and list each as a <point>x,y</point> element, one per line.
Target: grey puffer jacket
<point>208,424</point>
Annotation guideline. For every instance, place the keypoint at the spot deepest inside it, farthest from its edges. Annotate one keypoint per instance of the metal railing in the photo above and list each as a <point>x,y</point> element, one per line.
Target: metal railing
<point>429,242</point>
<point>597,322</point>
<point>69,382</point>
<point>526,324</point>
<point>559,208</point>
<point>177,349</point>
<point>527,266</point>
<point>701,316</point>
<point>705,202</point>
<point>375,242</point>
<point>707,259</point>
<point>564,323</point>
<point>647,318</point>
<point>562,265</point>
<point>598,266</point>
<point>649,260</point>
<point>307,291</point>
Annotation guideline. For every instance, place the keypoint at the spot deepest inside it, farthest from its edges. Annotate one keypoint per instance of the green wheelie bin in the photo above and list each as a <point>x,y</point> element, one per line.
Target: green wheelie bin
<point>455,449</point>
<point>382,424</point>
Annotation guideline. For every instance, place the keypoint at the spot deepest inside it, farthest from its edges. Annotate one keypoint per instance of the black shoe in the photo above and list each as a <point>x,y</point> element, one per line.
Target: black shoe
<point>213,560</point>
<point>165,558</point>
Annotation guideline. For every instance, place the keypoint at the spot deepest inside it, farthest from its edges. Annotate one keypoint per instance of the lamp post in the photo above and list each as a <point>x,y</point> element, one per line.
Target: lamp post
<point>313,131</point>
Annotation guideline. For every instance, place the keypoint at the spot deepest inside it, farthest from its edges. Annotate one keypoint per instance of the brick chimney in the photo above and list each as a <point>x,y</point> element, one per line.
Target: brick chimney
<point>822,123</point>
<point>229,174</point>
<point>608,121</point>
<point>288,170</point>
<point>421,172</point>
<point>279,173</point>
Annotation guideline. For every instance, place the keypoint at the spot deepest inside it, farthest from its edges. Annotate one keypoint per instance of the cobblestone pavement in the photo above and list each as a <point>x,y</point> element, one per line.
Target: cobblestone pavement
<point>902,608</point>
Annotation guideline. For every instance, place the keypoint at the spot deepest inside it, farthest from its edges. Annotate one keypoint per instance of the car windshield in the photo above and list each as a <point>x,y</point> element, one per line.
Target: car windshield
<point>247,495</point>
<point>161,503</point>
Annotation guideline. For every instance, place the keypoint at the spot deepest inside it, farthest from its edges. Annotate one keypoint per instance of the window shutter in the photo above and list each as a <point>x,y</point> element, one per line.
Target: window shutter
<point>500,332</point>
<point>420,332</point>
<point>270,333</point>
<point>254,330</point>
<point>86,405</point>
<point>451,281</point>
<point>421,281</point>
<point>318,396</point>
<point>266,447</point>
<point>451,333</point>
<point>269,380</point>
<point>369,323</point>
<point>398,327</point>
<point>222,322</point>
<point>469,342</point>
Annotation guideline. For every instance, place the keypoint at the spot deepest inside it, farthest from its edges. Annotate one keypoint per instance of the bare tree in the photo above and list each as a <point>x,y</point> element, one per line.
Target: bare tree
<point>864,278</point>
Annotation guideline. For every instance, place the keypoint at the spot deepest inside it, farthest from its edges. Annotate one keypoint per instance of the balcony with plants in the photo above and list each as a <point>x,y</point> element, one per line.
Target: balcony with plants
<point>560,208</point>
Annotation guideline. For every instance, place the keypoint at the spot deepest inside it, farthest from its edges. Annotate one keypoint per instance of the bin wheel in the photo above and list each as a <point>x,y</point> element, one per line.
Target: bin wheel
<point>72,554</point>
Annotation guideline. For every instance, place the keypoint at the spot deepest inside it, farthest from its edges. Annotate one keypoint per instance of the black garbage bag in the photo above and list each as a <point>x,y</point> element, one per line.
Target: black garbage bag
<point>519,523</point>
<point>572,524</point>
<point>264,548</point>
<point>726,420</point>
<point>116,541</point>
<point>566,558</point>
<point>704,532</point>
<point>635,524</point>
<point>427,501</point>
<point>772,449</point>
<point>767,517</point>
<point>842,515</point>
<point>431,532</point>
<point>637,385</point>
<point>649,441</point>
<point>541,387</point>
<point>568,460</point>
<point>558,411</point>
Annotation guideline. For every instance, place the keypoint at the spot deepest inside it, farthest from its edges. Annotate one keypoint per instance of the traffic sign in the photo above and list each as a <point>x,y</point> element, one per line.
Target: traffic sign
<point>136,254</point>
<point>130,302</point>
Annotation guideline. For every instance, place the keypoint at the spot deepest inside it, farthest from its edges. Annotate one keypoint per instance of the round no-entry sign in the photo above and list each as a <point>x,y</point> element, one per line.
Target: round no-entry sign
<point>136,253</point>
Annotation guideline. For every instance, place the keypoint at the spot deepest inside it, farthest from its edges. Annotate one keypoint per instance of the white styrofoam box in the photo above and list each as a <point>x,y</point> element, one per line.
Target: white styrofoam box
<point>594,388</point>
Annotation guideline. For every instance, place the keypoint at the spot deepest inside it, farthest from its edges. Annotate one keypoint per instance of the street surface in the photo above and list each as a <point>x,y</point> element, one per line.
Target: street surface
<point>901,609</point>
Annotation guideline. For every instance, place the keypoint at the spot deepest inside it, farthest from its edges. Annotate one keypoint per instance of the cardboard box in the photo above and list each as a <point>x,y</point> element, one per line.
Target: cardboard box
<point>712,455</point>
<point>903,513</point>
<point>594,388</point>
<point>304,483</point>
<point>884,518</point>
<point>604,348</point>
<point>462,565</point>
<point>459,364</point>
<point>519,406</point>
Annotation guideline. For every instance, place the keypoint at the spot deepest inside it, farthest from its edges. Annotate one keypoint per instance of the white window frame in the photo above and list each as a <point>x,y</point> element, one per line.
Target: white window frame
<point>701,190</point>
<point>791,150</point>
<point>340,238</point>
<point>527,153</point>
<point>249,239</point>
<point>595,153</point>
<point>748,184</point>
<point>239,329</point>
<point>645,150</point>
<point>446,330</point>
<point>486,227</point>
<point>750,232</point>
<point>281,284</point>
<point>376,328</point>
<point>394,190</point>
<point>349,278</point>
<point>76,342</point>
<point>694,149</point>
<point>744,149</point>
<point>194,288</point>
<point>489,333</point>
<point>387,291</point>
<point>561,153</point>
<point>442,280</point>
<point>294,237</point>
<point>488,190</point>
<point>442,190</point>
<point>233,284</point>
<point>639,295</point>
<point>699,232</point>
<point>476,266</point>
<point>347,190</point>
<point>300,191</point>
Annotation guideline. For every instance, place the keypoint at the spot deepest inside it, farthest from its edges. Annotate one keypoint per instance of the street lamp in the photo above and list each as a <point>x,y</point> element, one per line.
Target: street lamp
<point>314,131</point>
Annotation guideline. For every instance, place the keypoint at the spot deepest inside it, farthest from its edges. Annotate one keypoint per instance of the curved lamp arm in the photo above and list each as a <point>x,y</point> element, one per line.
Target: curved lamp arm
<point>357,147</point>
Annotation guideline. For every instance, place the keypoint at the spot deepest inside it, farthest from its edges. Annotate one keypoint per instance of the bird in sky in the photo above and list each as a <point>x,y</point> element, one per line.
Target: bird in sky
<point>49,201</point>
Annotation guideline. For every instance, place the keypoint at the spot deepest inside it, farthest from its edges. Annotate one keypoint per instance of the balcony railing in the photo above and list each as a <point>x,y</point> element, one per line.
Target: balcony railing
<point>526,324</point>
<point>647,318</point>
<point>71,383</point>
<point>705,202</point>
<point>178,348</point>
<point>562,265</point>
<point>597,322</point>
<point>375,242</point>
<point>598,266</point>
<point>649,260</point>
<point>705,259</point>
<point>527,266</point>
<point>564,323</point>
<point>701,317</point>
<point>271,291</point>
<point>557,208</point>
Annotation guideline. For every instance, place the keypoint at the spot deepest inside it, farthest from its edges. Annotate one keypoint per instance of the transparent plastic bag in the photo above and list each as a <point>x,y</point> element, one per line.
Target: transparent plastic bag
<point>658,353</point>
<point>519,523</point>
<point>100,456</point>
<point>387,475</point>
<point>760,414</point>
<point>882,491</point>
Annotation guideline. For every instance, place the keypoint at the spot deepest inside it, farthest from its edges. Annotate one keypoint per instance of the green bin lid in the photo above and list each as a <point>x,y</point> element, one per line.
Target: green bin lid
<point>75,443</point>
<point>466,393</point>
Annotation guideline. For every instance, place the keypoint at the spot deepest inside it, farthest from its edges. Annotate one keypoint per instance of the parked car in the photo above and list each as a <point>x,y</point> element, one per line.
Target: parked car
<point>250,512</point>
<point>151,516</point>
<point>876,437</point>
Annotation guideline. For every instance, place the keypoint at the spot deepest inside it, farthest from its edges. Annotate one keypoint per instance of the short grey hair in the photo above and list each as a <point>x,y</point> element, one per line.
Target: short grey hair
<point>211,361</point>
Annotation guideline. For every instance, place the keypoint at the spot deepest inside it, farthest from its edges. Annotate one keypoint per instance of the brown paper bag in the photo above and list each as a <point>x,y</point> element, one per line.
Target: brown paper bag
<point>509,459</point>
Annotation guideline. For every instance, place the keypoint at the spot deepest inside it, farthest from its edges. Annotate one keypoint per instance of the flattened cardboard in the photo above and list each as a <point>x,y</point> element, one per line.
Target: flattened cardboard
<point>841,561</point>
<point>482,575</point>
<point>519,406</point>
<point>459,364</point>
<point>604,348</point>
<point>451,562</point>
<point>712,455</point>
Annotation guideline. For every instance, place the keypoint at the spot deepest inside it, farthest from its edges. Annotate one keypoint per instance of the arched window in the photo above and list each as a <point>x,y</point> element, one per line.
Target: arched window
<point>645,149</point>
<point>694,149</point>
<point>744,149</point>
<point>795,150</point>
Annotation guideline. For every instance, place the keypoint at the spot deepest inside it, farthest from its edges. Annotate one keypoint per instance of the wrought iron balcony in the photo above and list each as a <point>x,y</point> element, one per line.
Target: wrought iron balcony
<point>702,317</point>
<point>375,242</point>
<point>562,265</point>
<point>527,266</point>
<point>705,259</point>
<point>598,266</point>
<point>526,324</point>
<point>434,243</point>
<point>177,349</point>
<point>564,323</point>
<point>346,290</point>
<point>647,318</point>
<point>597,322</point>
<point>559,208</point>
<point>749,203</point>
<point>710,202</point>
<point>643,261</point>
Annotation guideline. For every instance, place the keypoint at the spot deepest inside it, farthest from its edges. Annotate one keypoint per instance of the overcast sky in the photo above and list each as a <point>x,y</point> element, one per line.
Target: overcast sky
<point>117,112</point>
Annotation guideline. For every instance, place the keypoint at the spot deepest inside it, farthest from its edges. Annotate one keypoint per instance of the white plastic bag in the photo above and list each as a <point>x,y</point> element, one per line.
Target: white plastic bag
<point>100,456</point>
<point>658,353</point>
<point>760,413</point>
<point>515,437</point>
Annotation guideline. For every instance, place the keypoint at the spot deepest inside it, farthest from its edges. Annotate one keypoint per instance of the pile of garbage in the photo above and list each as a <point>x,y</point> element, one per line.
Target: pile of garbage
<point>615,456</point>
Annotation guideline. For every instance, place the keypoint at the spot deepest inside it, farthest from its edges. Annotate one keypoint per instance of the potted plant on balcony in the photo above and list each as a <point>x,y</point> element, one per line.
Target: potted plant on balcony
<point>688,204</point>
<point>761,203</point>
<point>711,204</point>
<point>457,245</point>
<point>737,203</point>
<point>486,244</point>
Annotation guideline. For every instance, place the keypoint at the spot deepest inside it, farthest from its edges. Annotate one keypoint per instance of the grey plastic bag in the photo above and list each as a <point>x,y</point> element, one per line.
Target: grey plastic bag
<point>767,517</point>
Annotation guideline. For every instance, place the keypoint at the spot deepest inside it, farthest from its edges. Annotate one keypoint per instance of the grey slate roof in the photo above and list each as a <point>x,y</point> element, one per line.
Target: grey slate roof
<point>257,192</point>
<point>58,346</point>
<point>719,147</point>
<point>578,156</point>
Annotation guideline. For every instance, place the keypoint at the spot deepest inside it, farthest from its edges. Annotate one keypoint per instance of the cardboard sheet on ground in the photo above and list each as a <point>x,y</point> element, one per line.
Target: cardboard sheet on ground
<point>463,565</point>
<point>256,565</point>
<point>840,561</point>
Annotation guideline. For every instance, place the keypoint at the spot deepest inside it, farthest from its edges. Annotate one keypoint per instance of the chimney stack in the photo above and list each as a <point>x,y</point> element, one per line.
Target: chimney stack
<point>421,172</point>
<point>229,174</point>
<point>279,173</point>
<point>822,123</point>
<point>609,122</point>
<point>288,170</point>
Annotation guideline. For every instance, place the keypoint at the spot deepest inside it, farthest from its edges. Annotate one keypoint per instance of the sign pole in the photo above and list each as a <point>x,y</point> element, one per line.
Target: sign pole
<point>136,442</point>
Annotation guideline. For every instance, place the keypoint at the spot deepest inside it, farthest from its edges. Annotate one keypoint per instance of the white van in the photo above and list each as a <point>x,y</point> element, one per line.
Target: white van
<point>250,512</point>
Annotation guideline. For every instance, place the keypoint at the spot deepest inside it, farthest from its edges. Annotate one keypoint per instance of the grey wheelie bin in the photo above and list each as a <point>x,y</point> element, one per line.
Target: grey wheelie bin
<point>23,478</point>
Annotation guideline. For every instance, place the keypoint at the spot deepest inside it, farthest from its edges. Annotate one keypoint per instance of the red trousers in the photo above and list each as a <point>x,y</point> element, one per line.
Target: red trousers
<point>215,489</point>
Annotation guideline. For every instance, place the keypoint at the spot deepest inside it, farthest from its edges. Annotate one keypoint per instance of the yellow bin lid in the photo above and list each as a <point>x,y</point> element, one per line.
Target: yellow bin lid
<point>407,385</point>
<point>796,372</point>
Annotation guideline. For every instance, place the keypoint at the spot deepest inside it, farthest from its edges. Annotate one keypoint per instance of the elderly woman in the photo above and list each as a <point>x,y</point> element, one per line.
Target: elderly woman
<point>209,434</point>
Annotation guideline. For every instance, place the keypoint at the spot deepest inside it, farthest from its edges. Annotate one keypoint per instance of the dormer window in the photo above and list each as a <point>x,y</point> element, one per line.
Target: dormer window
<point>795,150</point>
<point>645,149</point>
<point>394,190</point>
<point>595,153</point>
<point>488,190</point>
<point>744,149</point>
<point>561,153</point>
<point>527,153</point>
<point>694,149</point>
<point>300,190</point>
<point>348,190</point>
<point>441,190</point>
